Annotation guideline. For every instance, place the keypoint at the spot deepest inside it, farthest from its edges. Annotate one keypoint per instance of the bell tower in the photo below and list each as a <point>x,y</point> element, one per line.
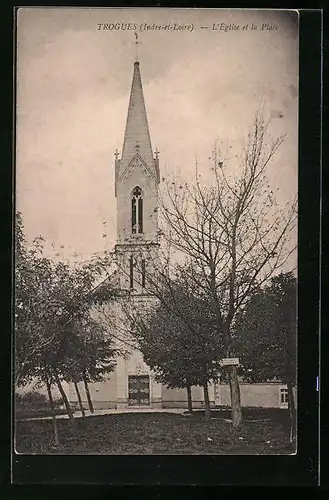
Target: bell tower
<point>136,189</point>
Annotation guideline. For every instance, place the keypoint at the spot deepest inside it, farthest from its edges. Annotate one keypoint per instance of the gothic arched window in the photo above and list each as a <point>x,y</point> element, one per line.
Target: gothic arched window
<point>137,211</point>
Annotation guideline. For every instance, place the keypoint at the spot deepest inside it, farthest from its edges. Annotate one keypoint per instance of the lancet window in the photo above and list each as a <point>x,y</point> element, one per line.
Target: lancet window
<point>137,211</point>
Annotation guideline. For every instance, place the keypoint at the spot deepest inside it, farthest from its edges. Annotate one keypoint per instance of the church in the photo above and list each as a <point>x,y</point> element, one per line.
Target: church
<point>137,176</point>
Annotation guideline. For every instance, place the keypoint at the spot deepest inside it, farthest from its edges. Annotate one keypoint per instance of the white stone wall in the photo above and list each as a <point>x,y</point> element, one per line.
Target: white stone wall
<point>253,395</point>
<point>103,394</point>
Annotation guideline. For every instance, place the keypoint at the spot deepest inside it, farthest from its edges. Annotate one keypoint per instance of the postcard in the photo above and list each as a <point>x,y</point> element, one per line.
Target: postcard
<point>156,231</point>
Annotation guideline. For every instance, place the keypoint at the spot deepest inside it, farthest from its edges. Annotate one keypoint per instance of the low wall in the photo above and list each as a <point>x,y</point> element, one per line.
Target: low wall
<point>98,405</point>
<point>184,405</point>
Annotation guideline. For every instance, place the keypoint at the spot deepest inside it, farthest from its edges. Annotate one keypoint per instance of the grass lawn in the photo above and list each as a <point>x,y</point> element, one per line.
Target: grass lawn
<point>158,434</point>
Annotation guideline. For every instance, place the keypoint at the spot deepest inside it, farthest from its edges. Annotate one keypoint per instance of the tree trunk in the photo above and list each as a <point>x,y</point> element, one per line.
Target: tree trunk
<point>90,403</point>
<point>292,413</point>
<point>66,401</point>
<point>79,399</point>
<point>52,409</point>
<point>189,398</point>
<point>235,397</point>
<point>206,402</point>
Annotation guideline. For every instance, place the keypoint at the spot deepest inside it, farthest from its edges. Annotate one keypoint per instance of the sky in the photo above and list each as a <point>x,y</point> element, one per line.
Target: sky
<point>201,85</point>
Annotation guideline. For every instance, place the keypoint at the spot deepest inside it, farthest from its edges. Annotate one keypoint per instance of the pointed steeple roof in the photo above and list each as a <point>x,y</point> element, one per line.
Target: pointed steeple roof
<point>137,136</point>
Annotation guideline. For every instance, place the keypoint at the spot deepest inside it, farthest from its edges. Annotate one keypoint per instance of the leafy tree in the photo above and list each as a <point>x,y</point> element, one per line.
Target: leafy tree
<point>90,354</point>
<point>50,297</point>
<point>33,280</point>
<point>266,335</point>
<point>178,339</point>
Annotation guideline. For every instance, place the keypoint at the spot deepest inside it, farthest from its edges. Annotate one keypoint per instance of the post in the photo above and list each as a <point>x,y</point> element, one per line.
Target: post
<point>292,413</point>
<point>235,396</point>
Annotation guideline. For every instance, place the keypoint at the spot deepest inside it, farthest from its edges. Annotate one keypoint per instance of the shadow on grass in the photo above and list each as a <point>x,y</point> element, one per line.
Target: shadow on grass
<point>248,414</point>
<point>157,434</point>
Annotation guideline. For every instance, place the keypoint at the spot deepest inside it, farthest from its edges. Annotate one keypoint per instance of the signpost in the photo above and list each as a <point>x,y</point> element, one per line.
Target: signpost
<point>230,362</point>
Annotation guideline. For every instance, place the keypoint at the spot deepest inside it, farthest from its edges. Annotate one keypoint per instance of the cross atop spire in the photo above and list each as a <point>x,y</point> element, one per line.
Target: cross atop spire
<point>137,42</point>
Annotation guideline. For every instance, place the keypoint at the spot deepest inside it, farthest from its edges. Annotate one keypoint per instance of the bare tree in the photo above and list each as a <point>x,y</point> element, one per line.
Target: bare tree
<point>232,233</point>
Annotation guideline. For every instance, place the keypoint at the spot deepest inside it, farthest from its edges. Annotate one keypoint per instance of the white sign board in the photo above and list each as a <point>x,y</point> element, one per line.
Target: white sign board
<point>229,361</point>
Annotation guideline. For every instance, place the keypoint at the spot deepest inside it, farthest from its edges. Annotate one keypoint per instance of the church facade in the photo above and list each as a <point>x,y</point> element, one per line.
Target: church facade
<point>137,177</point>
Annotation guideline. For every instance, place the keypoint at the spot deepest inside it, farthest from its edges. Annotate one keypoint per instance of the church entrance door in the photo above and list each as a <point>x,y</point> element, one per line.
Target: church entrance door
<point>138,390</point>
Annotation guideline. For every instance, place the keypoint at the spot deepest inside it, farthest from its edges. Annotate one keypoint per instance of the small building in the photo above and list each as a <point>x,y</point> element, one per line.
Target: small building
<point>264,395</point>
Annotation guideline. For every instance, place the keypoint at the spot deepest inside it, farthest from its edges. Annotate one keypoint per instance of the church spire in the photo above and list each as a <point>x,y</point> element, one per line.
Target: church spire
<point>137,137</point>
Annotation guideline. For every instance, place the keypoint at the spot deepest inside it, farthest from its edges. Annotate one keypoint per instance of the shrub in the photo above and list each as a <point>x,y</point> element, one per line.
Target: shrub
<point>36,400</point>
<point>31,398</point>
